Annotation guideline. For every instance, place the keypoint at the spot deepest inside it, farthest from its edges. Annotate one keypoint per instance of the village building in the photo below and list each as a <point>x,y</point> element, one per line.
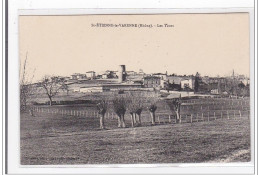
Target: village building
<point>78,76</point>
<point>214,91</point>
<point>152,82</point>
<point>161,75</point>
<point>110,87</point>
<point>91,74</point>
<point>187,83</point>
<point>131,73</point>
<point>104,76</point>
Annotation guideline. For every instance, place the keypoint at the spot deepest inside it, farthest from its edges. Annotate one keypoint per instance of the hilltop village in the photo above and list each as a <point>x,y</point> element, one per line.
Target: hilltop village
<point>121,79</point>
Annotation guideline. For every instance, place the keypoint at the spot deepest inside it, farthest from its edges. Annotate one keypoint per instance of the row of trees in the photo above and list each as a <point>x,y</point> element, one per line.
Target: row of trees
<point>134,104</point>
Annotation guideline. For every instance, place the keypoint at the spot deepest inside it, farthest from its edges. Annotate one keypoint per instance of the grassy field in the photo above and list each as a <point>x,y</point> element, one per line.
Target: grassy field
<point>56,139</point>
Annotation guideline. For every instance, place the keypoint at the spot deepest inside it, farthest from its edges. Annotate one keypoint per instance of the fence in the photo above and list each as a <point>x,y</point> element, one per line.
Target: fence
<point>65,112</point>
<point>191,117</point>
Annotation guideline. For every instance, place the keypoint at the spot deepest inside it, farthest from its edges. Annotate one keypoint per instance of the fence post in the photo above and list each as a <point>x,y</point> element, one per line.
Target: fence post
<point>208,116</point>
<point>239,113</point>
<point>227,114</point>
<point>202,117</point>
<point>159,119</point>
<point>191,119</point>
<point>180,118</point>
<point>169,118</point>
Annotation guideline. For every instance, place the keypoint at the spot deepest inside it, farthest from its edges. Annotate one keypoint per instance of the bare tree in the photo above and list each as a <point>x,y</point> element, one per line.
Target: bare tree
<point>27,89</point>
<point>139,112</point>
<point>175,107</point>
<point>66,88</point>
<point>135,107</point>
<point>52,86</point>
<point>102,109</point>
<point>152,100</point>
<point>119,105</point>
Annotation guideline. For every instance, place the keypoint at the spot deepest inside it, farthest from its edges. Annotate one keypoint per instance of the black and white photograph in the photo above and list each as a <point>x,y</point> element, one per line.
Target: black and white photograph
<point>135,89</point>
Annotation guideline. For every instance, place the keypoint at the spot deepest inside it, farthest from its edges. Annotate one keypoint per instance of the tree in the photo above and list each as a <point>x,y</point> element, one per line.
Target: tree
<point>52,86</point>
<point>175,107</point>
<point>119,105</point>
<point>243,90</point>
<point>66,88</point>
<point>196,83</point>
<point>139,112</point>
<point>152,108</point>
<point>102,109</point>
<point>187,88</point>
<point>135,107</point>
<point>27,89</point>
<point>219,87</point>
<point>153,99</point>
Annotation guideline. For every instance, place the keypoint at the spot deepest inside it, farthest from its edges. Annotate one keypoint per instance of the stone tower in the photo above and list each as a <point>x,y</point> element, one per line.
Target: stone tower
<point>121,74</point>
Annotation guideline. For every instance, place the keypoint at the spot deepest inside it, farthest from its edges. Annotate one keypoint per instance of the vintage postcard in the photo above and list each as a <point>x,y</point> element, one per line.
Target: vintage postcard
<point>134,89</point>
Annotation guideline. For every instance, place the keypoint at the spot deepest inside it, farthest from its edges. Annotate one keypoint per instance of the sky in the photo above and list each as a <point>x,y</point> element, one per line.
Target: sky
<point>211,44</point>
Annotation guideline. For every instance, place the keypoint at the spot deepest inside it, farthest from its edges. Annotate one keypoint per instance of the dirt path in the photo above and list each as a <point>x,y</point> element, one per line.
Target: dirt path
<point>234,157</point>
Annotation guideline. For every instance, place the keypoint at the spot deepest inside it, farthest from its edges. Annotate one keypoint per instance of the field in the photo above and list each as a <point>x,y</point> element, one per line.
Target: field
<point>70,135</point>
